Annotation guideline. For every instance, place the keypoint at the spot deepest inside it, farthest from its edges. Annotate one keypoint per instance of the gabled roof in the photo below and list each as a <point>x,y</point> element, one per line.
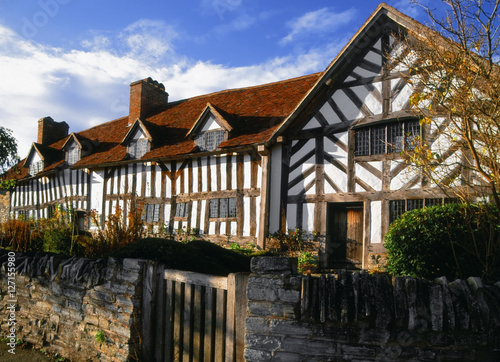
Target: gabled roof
<point>138,124</point>
<point>47,154</point>
<point>253,113</point>
<point>209,109</point>
<point>373,25</point>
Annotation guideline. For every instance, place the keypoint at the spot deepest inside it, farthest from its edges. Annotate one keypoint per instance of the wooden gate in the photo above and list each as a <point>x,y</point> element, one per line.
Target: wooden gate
<point>195,317</point>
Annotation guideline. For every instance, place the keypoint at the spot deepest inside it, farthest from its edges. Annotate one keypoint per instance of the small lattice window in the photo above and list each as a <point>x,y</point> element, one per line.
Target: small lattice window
<point>182,209</point>
<point>35,167</point>
<point>137,149</point>
<point>151,213</point>
<point>209,141</point>
<point>222,208</point>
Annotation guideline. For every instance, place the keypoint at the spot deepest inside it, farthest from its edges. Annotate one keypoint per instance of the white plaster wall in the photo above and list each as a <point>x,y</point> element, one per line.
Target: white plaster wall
<point>368,177</point>
<point>210,124</point>
<point>291,216</point>
<point>204,173</point>
<point>203,227</point>
<point>96,190</point>
<point>213,174</point>
<point>330,115</point>
<point>194,214</point>
<point>401,100</point>
<point>247,172</point>
<point>223,172</point>
<point>376,222</point>
<point>368,99</point>
<point>246,216</point>
<point>348,108</point>
<point>313,123</point>
<point>275,188</point>
<point>195,177</point>
<point>308,217</point>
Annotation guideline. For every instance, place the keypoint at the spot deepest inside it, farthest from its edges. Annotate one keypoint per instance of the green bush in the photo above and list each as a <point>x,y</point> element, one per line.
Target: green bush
<point>455,240</point>
<point>197,256</point>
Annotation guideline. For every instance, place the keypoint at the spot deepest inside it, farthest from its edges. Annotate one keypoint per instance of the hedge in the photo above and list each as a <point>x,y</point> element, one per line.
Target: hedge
<point>454,240</point>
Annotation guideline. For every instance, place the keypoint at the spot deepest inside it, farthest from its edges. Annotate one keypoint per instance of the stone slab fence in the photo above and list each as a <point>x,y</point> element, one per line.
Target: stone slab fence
<point>83,309</point>
<point>362,317</point>
<point>102,310</point>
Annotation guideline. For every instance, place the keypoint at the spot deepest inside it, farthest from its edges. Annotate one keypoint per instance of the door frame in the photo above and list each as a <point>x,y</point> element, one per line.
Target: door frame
<point>331,209</point>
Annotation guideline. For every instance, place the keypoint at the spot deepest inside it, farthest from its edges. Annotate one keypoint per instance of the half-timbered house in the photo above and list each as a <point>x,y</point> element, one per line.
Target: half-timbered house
<point>320,152</point>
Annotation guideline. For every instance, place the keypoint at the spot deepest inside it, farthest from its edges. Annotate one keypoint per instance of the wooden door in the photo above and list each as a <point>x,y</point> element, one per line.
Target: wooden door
<point>354,238</point>
<point>344,235</point>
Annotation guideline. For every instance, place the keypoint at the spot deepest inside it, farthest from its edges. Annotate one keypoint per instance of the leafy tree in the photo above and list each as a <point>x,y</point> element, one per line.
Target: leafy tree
<point>8,149</point>
<point>8,155</point>
<point>453,68</point>
<point>456,76</point>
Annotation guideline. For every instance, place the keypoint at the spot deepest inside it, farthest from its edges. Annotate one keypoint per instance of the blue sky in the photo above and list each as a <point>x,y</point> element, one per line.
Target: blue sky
<point>74,60</point>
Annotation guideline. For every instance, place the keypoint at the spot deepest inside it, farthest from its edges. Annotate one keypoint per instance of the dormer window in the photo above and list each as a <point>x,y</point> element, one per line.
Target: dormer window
<point>210,140</point>
<point>35,167</point>
<point>138,148</point>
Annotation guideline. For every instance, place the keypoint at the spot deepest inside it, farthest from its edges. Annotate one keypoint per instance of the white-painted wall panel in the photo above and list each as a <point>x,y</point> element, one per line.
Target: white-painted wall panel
<point>193,213</point>
<point>308,217</point>
<point>369,178</point>
<point>330,115</point>
<point>348,108</point>
<point>204,175</point>
<point>246,216</point>
<point>275,188</point>
<point>313,123</point>
<point>337,176</point>
<point>247,172</point>
<point>203,227</point>
<point>291,216</point>
<point>368,99</point>
<point>399,103</point>
<point>376,222</point>
<point>196,170</point>
<point>96,190</point>
<point>213,174</point>
<point>257,221</point>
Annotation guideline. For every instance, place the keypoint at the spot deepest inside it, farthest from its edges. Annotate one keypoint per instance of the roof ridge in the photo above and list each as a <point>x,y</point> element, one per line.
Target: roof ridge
<point>247,87</point>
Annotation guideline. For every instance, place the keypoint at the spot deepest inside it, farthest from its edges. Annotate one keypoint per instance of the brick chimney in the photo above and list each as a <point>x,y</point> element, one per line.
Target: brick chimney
<point>146,96</point>
<point>50,131</point>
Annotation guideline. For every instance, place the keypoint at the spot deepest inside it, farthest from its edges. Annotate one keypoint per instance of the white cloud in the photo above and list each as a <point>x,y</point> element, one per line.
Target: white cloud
<point>220,7</point>
<point>88,86</point>
<point>316,22</point>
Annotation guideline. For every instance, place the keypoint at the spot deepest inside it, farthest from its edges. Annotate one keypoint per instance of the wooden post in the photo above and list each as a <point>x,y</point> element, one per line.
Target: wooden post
<point>264,196</point>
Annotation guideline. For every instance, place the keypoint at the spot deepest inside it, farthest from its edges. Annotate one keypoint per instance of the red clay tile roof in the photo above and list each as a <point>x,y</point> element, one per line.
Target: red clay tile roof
<point>254,113</point>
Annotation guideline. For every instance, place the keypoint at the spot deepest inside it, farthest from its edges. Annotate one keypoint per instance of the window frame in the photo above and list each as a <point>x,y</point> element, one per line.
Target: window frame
<point>36,167</point>
<point>223,208</point>
<point>73,155</point>
<point>181,210</point>
<point>151,213</point>
<point>368,141</point>
<point>138,148</point>
<point>210,140</point>
<point>404,205</point>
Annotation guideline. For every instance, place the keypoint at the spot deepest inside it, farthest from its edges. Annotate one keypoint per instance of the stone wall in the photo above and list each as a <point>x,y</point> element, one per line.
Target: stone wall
<point>85,309</point>
<point>361,317</point>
